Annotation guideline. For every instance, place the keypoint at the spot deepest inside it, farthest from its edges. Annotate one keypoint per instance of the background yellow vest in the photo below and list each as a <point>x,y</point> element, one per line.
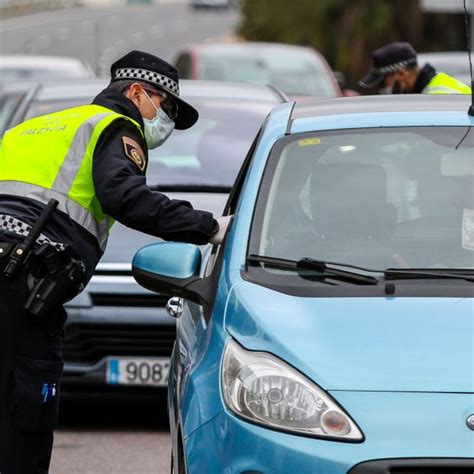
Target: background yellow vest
<point>444,84</point>
<point>51,157</point>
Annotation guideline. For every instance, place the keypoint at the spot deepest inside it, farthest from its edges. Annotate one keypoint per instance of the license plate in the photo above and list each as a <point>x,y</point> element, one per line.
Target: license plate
<point>138,371</point>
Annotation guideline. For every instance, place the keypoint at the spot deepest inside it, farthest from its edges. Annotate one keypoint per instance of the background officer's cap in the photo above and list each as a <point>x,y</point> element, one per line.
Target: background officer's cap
<point>144,67</point>
<point>387,60</point>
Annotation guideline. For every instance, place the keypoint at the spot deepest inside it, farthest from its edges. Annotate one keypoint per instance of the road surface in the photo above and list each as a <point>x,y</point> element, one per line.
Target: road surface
<point>101,35</point>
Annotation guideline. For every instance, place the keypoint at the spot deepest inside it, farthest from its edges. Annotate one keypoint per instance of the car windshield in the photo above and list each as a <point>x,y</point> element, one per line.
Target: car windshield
<point>377,198</point>
<point>8,105</point>
<point>298,74</point>
<point>209,153</point>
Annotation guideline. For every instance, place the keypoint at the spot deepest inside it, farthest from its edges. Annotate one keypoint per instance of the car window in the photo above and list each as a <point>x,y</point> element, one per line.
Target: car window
<point>210,258</point>
<point>213,150</point>
<point>38,108</point>
<point>299,74</point>
<point>402,197</point>
<point>8,105</point>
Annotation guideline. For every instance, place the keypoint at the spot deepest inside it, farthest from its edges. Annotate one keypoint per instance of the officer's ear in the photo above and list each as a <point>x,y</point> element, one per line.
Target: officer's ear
<point>134,93</point>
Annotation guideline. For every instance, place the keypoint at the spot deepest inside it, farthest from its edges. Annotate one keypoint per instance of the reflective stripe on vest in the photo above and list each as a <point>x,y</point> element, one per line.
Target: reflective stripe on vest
<point>51,157</point>
<point>74,210</point>
<point>441,83</point>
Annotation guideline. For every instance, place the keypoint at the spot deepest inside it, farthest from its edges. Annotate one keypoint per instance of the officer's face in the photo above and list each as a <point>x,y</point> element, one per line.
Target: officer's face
<point>137,95</point>
<point>400,82</point>
<point>394,83</point>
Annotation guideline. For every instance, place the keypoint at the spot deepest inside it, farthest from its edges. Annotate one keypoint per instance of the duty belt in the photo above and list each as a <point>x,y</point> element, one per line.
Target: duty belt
<point>22,229</point>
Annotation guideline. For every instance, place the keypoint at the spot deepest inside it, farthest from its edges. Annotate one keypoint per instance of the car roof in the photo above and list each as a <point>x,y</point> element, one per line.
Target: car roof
<point>380,111</point>
<point>381,104</point>
<point>85,88</point>
<point>48,62</point>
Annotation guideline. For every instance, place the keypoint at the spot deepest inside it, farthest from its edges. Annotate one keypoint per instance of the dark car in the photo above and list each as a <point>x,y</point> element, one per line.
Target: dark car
<point>119,334</point>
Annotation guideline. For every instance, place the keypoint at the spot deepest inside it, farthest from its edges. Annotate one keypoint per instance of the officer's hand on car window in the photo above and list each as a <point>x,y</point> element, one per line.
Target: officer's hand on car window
<point>223,223</point>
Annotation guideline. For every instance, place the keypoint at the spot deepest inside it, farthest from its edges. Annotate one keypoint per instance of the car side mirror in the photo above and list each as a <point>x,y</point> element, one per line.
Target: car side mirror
<point>171,268</point>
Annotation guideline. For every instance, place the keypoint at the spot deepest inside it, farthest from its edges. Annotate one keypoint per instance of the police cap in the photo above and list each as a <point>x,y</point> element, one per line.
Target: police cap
<point>145,67</point>
<point>388,59</point>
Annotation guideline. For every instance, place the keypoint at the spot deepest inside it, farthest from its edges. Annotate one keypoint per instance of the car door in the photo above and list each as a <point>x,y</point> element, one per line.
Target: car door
<point>193,323</point>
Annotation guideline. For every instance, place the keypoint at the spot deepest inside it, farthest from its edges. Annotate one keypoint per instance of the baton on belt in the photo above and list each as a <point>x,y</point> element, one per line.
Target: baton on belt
<point>22,251</point>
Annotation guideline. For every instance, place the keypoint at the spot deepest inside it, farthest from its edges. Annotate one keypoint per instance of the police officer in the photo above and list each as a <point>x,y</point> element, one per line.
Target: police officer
<point>395,70</point>
<point>92,160</point>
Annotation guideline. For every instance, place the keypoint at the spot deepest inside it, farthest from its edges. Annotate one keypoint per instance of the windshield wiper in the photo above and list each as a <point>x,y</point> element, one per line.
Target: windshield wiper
<point>413,274</point>
<point>319,266</point>
<point>192,188</point>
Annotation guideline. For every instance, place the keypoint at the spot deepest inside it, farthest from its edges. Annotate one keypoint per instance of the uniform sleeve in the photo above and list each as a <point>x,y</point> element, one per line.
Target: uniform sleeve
<point>119,165</point>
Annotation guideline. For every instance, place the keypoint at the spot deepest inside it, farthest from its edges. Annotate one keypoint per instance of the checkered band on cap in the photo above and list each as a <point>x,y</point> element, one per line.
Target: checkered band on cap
<point>394,67</point>
<point>150,76</point>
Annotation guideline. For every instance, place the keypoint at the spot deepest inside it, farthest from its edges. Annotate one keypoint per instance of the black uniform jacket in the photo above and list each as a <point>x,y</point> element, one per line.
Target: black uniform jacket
<point>119,167</point>
<point>424,77</point>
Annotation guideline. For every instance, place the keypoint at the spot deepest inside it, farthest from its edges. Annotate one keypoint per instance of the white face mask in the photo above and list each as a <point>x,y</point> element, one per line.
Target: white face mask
<point>157,129</point>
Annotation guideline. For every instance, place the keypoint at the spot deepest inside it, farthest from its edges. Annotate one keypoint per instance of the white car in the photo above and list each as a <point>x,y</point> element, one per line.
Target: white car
<point>26,67</point>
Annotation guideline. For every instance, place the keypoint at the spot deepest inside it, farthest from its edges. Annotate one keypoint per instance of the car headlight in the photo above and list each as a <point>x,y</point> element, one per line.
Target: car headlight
<point>263,389</point>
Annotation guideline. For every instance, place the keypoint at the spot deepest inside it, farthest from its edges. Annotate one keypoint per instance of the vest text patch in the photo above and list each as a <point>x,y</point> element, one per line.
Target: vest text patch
<point>134,152</point>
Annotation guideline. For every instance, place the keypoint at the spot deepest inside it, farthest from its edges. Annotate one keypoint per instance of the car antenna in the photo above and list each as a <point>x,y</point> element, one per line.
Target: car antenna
<point>468,37</point>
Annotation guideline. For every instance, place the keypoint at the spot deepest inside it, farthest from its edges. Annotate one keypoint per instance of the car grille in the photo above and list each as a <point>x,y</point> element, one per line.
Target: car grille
<point>86,343</point>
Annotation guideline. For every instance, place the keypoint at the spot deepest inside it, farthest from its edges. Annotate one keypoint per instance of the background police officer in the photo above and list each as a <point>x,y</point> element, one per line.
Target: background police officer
<point>92,159</point>
<point>395,70</point>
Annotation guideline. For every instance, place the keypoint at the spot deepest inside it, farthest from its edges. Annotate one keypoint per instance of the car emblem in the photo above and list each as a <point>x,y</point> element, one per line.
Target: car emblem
<point>470,422</point>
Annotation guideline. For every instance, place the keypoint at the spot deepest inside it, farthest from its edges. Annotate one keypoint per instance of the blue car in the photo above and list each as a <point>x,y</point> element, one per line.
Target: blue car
<point>332,332</point>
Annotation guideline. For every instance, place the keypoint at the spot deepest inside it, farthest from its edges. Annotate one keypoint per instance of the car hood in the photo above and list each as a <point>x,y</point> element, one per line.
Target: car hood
<point>366,344</point>
<point>113,274</point>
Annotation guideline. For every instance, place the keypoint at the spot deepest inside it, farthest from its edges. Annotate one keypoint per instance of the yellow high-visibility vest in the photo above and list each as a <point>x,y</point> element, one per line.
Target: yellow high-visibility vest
<point>444,84</point>
<point>51,157</point>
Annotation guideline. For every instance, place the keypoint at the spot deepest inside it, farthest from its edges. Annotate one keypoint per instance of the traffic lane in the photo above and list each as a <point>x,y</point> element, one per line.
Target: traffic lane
<point>112,436</point>
<point>101,35</point>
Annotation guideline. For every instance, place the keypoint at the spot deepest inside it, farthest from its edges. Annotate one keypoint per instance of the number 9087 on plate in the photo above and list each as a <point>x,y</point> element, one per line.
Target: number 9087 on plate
<point>138,371</point>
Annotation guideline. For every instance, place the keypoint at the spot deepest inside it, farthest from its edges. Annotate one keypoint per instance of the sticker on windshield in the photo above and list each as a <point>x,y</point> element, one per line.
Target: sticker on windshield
<point>309,141</point>
<point>468,229</point>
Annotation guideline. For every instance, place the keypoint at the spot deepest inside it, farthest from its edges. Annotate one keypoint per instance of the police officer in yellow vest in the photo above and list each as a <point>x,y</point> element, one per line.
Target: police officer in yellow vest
<point>92,160</point>
<point>395,70</point>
